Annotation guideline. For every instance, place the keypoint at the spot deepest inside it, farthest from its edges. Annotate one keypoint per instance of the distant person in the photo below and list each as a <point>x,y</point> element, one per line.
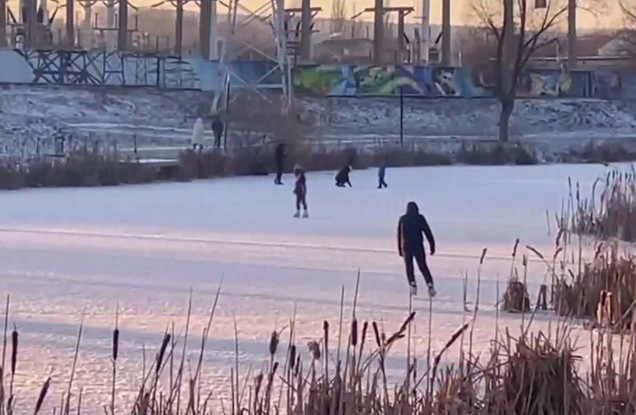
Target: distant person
<point>300,190</point>
<point>279,154</point>
<point>382,174</point>
<point>217,128</point>
<point>342,177</point>
<point>411,246</point>
<point>198,133</point>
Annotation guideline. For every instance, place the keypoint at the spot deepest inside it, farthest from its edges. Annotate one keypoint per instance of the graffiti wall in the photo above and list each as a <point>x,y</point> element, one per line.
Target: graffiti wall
<point>352,80</point>
<point>136,70</point>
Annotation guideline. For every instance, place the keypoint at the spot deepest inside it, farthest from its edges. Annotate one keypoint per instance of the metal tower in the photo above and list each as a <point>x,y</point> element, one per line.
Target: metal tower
<point>271,14</point>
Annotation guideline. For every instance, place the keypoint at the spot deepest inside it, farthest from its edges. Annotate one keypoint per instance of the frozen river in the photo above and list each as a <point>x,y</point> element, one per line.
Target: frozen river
<point>68,253</point>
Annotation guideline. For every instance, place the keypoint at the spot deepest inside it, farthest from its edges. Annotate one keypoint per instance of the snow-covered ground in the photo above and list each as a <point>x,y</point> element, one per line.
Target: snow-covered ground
<point>68,253</point>
<point>160,122</point>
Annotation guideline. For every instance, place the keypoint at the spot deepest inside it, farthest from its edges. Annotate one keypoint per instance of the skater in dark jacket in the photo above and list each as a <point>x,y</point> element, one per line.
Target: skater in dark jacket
<point>279,155</point>
<point>411,245</point>
<point>382,175</point>
<point>342,177</point>
<point>217,129</point>
<point>300,190</point>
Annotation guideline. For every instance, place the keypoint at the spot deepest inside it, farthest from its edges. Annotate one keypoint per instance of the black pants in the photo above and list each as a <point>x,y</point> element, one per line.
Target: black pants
<point>301,200</point>
<point>217,139</point>
<point>420,258</point>
<point>382,183</point>
<point>279,172</point>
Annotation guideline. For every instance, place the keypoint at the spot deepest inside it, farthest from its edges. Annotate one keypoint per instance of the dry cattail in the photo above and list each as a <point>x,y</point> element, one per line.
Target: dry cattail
<point>115,344</point>
<point>354,332</point>
<point>42,396</point>
<point>514,250</point>
<point>162,351</point>
<point>325,329</point>
<point>273,343</point>
<point>292,356</point>
<point>377,334</point>
<point>364,332</point>
<point>483,256</point>
<point>14,351</point>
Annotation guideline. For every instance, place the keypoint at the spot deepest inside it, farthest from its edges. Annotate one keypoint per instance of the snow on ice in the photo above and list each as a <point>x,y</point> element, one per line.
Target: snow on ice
<point>73,254</point>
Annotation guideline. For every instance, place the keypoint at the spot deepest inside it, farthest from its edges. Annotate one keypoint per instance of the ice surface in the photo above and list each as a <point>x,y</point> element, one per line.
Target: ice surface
<point>68,253</point>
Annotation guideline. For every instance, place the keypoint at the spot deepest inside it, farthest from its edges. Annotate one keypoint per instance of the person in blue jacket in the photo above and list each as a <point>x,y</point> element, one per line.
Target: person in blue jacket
<point>381,175</point>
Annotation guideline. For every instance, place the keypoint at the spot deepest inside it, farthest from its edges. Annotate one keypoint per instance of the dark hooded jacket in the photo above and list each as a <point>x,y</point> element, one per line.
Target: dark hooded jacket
<point>410,229</point>
<point>343,175</point>
<point>279,153</point>
<point>300,187</point>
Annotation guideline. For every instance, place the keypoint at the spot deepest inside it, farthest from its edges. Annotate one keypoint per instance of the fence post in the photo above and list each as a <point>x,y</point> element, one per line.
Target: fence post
<point>401,117</point>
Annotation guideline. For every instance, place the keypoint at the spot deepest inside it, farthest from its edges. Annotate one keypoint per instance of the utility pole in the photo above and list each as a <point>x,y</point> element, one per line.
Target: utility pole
<point>378,32</point>
<point>70,24</point>
<point>572,52</point>
<point>122,33</point>
<point>305,30</point>
<point>425,34</point>
<point>3,23</point>
<point>446,33</point>
<point>204,28</point>
<point>213,34</point>
<point>178,29</point>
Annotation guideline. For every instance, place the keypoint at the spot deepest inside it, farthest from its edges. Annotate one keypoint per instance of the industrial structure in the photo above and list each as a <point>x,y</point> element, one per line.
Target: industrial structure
<point>30,29</point>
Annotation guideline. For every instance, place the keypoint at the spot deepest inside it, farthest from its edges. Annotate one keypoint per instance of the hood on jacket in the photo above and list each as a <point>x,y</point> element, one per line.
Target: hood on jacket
<point>412,209</point>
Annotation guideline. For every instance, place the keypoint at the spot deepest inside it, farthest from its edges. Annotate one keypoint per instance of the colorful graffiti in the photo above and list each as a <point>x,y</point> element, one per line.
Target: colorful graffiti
<point>134,70</point>
<point>352,80</point>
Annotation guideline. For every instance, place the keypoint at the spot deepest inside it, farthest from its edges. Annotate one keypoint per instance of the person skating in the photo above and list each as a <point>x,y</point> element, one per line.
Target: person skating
<point>382,175</point>
<point>300,190</point>
<point>217,129</point>
<point>198,133</point>
<point>279,155</point>
<point>411,226</point>
<point>342,177</point>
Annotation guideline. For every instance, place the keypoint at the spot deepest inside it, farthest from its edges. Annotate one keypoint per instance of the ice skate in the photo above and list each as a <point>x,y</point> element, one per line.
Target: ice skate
<point>297,214</point>
<point>305,214</point>
<point>413,289</point>
<point>431,290</point>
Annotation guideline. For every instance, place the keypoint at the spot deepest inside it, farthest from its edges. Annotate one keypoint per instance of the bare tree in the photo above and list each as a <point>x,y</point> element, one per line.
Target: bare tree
<point>520,28</point>
<point>338,16</point>
<point>627,36</point>
<point>356,27</point>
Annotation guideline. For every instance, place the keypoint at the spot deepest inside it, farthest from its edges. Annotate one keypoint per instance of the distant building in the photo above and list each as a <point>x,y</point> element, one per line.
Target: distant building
<point>344,50</point>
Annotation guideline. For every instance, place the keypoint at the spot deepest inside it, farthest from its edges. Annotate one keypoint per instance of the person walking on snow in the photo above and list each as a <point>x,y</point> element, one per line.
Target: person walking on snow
<point>342,177</point>
<point>382,174</point>
<point>198,133</point>
<point>300,190</point>
<point>279,155</point>
<point>217,129</point>
<point>411,245</point>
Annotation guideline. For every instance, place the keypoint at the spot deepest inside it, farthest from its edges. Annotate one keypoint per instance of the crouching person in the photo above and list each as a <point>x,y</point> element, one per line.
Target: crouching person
<point>342,177</point>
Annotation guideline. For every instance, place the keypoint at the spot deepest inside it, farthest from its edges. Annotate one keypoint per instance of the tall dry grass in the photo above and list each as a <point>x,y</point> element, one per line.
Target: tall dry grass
<point>529,373</point>
<point>611,213</point>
